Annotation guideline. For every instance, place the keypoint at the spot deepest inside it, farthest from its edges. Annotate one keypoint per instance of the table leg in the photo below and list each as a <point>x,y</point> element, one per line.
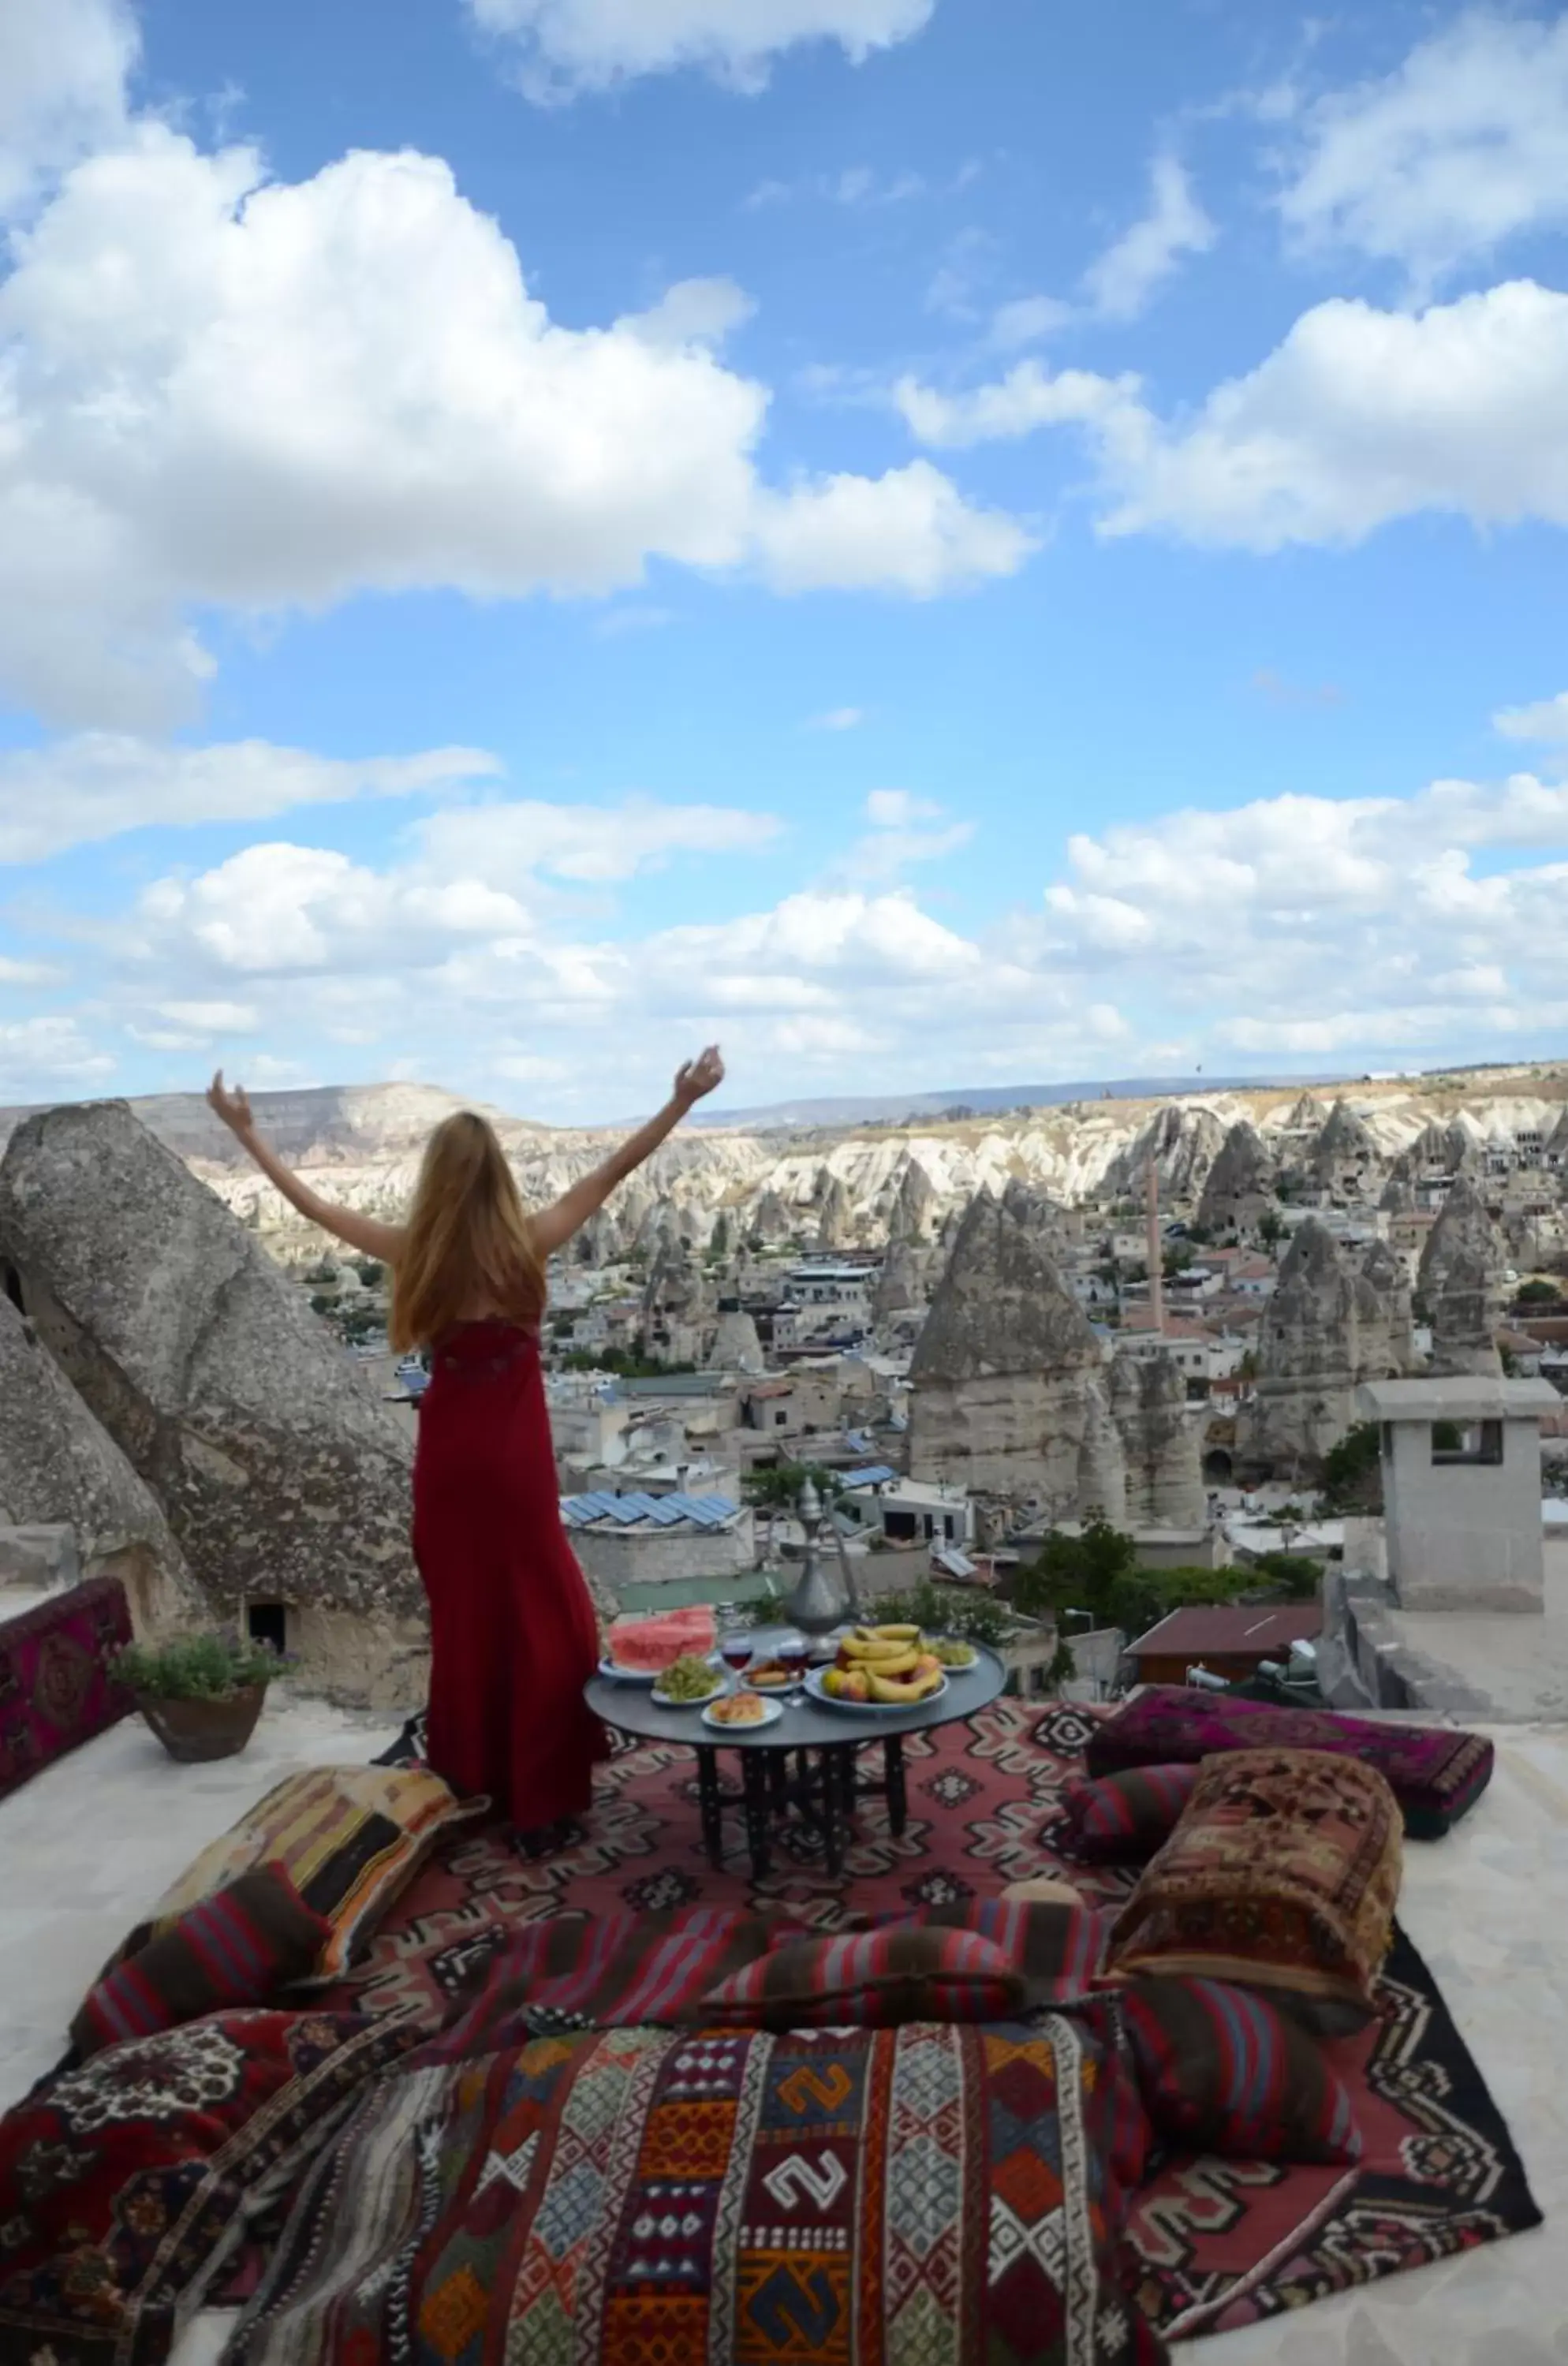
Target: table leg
<point>898,1796</point>
<point>833,1762</point>
<point>778,1780</point>
<point>712,1807</point>
<point>755,1770</point>
<point>849,1763</point>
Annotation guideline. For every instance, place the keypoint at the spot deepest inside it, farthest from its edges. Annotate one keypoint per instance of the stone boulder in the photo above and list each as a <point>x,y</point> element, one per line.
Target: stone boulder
<point>1460,1285</point>
<point>282,1477</point>
<point>1240,1186</point>
<point>61,1470</point>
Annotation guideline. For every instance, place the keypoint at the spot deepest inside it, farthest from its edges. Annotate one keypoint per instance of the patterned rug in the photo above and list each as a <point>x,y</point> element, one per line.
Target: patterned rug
<point>1211,2244</point>
<point>55,1688</point>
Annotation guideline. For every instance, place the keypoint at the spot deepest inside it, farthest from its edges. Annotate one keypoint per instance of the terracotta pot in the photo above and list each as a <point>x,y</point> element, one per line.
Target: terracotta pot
<point>194,1732</point>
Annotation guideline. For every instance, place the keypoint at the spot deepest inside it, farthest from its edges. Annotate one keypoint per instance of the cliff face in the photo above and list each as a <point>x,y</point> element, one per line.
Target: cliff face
<point>1240,1185</point>
<point>1160,1443</point>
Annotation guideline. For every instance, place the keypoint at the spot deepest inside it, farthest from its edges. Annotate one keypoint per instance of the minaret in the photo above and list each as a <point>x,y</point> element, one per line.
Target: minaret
<point>1157,1266</point>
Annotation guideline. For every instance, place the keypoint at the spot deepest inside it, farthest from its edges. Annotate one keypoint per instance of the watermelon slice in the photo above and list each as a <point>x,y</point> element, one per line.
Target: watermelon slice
<point>646,1646</point>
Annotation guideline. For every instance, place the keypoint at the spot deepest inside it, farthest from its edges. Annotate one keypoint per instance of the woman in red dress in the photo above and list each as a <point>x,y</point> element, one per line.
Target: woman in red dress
<point>514,1638</point>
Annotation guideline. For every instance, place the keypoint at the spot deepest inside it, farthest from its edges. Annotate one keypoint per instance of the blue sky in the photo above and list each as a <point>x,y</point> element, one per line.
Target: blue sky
<point>939,541</point>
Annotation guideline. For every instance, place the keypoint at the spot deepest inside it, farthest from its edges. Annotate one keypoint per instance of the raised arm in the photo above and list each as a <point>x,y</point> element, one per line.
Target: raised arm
<point>554,1226</point>
<point>361,1233</point>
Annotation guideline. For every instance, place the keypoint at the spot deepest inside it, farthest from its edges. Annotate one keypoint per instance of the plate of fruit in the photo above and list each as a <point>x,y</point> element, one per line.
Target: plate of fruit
<point>741,1712</point>
<point>880,1668</point>
<point>687,1683</point>
<point>956,1656</point>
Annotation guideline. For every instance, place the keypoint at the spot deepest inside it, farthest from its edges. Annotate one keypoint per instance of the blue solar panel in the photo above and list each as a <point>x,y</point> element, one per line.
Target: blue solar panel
<point>659,1511</point>
<point>877,1475</point>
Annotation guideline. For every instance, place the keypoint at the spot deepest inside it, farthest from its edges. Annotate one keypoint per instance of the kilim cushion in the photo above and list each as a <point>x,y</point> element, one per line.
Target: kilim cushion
<point>1221,2070</point>
<point>240,1947</point>
<point>127,2183</point>
<point>349,1838</point>
<point>870,1979</point>
<point>604,1971</point>
<point>57,1685</point>
<point>1123,1819</point>
<point>1282,1874</point>
<point>1056,1950</point>
<point>1435,1773</point>
<point>873,2195</point>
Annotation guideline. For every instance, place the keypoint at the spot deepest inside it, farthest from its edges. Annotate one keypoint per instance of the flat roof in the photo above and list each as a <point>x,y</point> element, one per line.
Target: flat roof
<point>1233,1627</point>
<point>1463,1397</point>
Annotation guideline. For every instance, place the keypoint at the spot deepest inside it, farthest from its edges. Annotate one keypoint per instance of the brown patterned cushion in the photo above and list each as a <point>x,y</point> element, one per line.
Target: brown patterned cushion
<point>1283,1874</point>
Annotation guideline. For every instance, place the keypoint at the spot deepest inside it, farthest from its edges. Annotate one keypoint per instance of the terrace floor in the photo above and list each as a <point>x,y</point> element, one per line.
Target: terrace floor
<point>89,1845</point>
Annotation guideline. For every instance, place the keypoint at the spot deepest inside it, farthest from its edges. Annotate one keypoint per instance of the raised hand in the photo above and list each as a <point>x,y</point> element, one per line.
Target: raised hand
<point>699,1077</point>
<point>233,1106</point>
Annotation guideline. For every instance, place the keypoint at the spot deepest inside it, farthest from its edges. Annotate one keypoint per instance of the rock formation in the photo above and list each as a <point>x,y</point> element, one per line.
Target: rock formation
<point>1384,1321</point>
<point>282,1479</point>
<point>772,1221</point>
<point>1161,1446</point>
<point>58,1465</point>
<point>1345,1157</point>
<point>836,1217</point>
<point>898,1302</point>
<point>1183,1139</point>
<point>735,1346</point>
<point>1449,1149</point>
<point>915,1206</point>
<point>676,1311</point>
<point>1308,1360</point>
<point>1459,1285</point>
<point>1004,1366</point>
<point>1240,1185</point>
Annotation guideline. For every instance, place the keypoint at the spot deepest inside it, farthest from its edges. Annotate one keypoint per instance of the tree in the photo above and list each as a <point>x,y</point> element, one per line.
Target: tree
<point>1079,1573</point>
<point>719,1246</point>
<point>1297,1573</point>
<point>1538,1294</point>
<point>370,1271</point>
<point>1271,1228</point>
<point>1352,1470</point>
<point>1201,1234</point>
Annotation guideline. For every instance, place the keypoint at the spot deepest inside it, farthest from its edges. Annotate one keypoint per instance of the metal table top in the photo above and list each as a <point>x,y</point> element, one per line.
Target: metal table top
<point>809,1725</point>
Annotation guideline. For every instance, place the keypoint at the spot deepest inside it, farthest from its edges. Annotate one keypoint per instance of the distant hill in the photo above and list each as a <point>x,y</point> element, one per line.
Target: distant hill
<point>984,1101</point>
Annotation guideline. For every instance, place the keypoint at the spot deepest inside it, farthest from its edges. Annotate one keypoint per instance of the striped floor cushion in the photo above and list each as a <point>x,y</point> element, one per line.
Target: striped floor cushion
<point>240,1947</point>
<point>1123,1819</point>
<point>1222,2070</point>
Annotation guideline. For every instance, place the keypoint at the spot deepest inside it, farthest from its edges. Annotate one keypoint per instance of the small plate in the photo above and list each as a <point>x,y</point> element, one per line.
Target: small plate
<point>737,1732</point>
<point>973,1665</point>
<point>619,1675</point>
<point>869,1708</point>
<point>661,1700</point>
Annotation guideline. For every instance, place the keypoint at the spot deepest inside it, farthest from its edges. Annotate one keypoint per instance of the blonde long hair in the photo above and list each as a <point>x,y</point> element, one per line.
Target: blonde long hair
<point>467,1240</point>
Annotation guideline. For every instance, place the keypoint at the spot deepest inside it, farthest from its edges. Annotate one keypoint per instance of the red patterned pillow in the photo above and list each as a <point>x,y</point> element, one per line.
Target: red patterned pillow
<point>1123,1819</point>
<point>871,1979</point>
<point>126,2183</point>
<point>239,1947</point>
<point>1222,2070</point>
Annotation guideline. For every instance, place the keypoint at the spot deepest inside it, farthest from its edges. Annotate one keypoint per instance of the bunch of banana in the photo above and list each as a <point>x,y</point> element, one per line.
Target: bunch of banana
<point>903,1692</point>
<point>883,1651</point>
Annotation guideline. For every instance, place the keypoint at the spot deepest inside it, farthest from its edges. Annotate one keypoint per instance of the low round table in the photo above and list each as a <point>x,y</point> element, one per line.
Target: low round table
<point>821,1788</point>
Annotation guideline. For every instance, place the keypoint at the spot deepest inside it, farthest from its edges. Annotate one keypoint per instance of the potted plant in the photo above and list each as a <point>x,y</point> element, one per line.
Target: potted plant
<point>200,1694</point>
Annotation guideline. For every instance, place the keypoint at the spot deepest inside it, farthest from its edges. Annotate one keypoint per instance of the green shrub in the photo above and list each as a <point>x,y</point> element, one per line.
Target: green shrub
<point>962,1610</point>
<point>197,1667</point>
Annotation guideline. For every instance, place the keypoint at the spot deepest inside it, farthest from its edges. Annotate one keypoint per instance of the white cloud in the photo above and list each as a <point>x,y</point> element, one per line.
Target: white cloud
<point>896,839</point>
<point>897,809</point>
<point>45,1057</point>
<point>1463,146</point>
<point>1122,283</point>
<point>1027,319</point>
<point>838,718</point>
<point>63,65</point>
<point>213,1018</point>
<point>854,185</point>
<point>28,973</point>
<point>220,389</point>
<point>1360,417</point>
<point>1545,723</point>
<point>101,783</point>
<point>1028,398</point>
<point>589,843</point>
<point>567,46</point>
<point>910,531</point>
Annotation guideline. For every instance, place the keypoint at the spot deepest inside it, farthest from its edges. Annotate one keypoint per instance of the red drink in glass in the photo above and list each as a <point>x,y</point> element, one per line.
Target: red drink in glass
<point>737,1651</point>
<point>793,1658</point>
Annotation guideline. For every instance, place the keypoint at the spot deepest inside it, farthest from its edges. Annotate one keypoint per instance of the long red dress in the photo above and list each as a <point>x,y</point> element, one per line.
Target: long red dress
<point>514,1638</point>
